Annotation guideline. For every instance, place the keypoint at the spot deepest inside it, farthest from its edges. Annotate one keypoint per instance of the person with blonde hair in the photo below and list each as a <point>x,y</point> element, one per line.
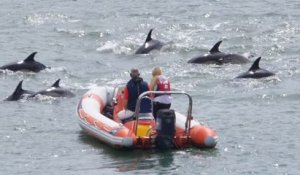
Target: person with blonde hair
<point>160,83</point>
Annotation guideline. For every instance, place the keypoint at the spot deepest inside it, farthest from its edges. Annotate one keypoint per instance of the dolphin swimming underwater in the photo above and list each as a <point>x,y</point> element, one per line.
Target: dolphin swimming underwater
<point>255,71</point>
<point>54,91</point>
<point>19,93</point>
<point>28,64</point>
<point>219,58</point>
<point>149,44</point>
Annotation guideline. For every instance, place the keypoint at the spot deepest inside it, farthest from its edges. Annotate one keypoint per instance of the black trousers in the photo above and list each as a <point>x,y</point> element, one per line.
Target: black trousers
<point>157,106</point>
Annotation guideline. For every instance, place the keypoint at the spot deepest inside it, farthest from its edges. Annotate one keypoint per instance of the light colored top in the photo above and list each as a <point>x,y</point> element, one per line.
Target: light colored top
<point>165,99</point>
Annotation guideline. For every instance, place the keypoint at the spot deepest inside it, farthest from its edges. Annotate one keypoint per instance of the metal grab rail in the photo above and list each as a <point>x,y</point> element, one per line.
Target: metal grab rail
<point>115,93</point>
<point>144,94</point>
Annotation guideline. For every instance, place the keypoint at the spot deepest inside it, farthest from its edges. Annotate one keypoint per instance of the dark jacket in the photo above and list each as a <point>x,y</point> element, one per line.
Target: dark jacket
<point>135,87</point>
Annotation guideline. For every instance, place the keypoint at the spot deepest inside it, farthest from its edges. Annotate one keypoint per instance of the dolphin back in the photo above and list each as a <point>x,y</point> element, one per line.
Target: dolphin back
<point>255,71</point>
<point>219,58</point>
<point>55,91</point>
<point>149,45</point>
<point>28,64</point>
<point>18,93</point>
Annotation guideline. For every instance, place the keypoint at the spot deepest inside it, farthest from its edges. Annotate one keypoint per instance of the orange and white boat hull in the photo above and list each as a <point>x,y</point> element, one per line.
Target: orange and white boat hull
<point>91,120</point>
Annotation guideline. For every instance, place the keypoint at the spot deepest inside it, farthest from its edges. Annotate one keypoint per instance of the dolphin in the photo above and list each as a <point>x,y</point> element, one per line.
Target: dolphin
<point>149,44</point>
<point>54,91</point>
<point>219,58</point>
<point>255,71</point>
<point>18,93</point>
<point>28,64</point>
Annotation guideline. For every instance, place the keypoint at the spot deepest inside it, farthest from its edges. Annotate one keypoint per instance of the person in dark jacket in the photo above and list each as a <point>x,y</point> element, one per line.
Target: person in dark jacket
<point>135,86</point>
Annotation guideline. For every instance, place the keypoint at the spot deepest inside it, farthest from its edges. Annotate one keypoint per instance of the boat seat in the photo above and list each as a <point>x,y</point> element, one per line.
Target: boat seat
<point>142,116</point>
<point>146,116</point>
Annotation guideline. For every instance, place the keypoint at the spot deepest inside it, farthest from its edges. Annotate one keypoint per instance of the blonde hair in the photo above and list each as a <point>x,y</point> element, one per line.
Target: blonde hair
<point>156,71</point>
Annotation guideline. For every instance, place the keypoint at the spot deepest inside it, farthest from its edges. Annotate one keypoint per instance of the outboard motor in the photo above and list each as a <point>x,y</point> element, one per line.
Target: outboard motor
<point>165,128</point>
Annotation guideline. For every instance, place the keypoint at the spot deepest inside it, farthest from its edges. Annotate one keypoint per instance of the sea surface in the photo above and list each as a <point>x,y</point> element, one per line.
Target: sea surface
<point>90,43</point>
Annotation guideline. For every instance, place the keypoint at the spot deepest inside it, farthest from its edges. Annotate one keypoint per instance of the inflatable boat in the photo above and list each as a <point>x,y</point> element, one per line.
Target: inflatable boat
<point>97,115</point>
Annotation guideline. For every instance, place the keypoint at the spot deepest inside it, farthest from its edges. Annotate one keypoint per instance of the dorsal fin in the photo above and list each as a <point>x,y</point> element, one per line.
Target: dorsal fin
<point>56,84</point>
<point>30,58</point>
<point>17,93</point>
<point>149,36</point>
<point>19,87</point>
<point>215,48</point>
<point>255,65</point>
